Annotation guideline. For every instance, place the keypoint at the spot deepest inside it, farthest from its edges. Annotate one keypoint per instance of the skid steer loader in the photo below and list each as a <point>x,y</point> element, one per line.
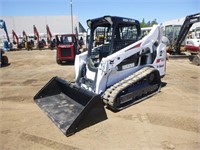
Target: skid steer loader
<point>122,70</point>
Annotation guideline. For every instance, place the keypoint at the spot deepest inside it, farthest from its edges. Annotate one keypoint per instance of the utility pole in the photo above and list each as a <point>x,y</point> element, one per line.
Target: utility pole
<point>71,16</point>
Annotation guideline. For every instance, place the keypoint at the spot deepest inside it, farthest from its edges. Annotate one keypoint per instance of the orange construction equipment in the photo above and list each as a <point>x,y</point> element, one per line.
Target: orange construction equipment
<point>51,42</point>
<point>40,43</point>
<point>16,40</point>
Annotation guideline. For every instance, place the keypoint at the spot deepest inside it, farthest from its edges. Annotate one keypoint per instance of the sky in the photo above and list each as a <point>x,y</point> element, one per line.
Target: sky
<point>161,10</point>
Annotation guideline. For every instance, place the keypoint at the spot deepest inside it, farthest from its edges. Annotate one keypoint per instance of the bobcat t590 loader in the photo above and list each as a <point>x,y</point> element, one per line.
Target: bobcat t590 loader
<point>120,71</point>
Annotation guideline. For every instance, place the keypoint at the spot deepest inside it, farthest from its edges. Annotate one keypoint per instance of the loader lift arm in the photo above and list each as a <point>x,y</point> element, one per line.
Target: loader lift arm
<point>7,44</point>
<point>36,34</point>
<point>15,38</point>
<point>20,45</point>
<point>189,21</point>
<point>40,43</point>
<point>3,26</point>
<point>51,42</point>
<point>49,35</point>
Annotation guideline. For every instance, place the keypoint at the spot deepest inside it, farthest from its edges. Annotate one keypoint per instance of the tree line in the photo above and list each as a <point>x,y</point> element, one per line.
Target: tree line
<point>147,24</point>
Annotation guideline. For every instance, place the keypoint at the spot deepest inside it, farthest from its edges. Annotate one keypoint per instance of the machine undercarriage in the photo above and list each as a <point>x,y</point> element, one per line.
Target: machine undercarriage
<point>133,89</point>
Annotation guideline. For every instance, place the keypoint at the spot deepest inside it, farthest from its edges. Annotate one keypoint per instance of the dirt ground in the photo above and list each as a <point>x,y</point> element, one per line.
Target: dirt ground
<point>168,120</point>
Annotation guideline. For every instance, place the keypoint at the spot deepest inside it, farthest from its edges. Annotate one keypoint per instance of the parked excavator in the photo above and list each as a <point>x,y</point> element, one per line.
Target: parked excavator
<point>7,45</point>
<point>193,41</point>
<point>51,42</point>
<point>20,45</point>
<point>40,43</point>
<point>172,32</point>
<point>193,46</point>
<point>28,42</point>
<point>123,70</point>
<point>175,45</point>
<point>177,33</point>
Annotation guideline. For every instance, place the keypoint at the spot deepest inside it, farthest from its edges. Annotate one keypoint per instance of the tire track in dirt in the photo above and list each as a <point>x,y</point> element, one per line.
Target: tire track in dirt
<point>142,118</point>
<point>20,83</point>
<point>179,122</point>
<point>39,140</point>
<point>5,132</point>
<point>47,142</point>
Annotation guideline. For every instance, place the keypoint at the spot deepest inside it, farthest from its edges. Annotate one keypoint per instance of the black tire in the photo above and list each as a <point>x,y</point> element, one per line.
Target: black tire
<point>4,60</point>
<point>196,60</point>
<point>59,62</point>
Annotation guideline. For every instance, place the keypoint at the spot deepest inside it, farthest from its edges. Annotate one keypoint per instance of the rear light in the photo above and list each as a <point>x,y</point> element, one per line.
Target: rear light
<point>158,60</point>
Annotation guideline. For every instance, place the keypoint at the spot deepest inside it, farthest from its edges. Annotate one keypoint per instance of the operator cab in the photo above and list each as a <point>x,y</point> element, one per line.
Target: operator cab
<point>108,35</point>
<point>65,39</point>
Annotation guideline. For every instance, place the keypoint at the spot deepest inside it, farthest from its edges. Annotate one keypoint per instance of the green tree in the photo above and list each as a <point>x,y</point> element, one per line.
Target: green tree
<point>147,24</point>
<point>143,24</point>
<point>153,22</point>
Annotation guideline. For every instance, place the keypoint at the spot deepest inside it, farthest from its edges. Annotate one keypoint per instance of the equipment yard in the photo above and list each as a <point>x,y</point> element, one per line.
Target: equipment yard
<point>167,120</point>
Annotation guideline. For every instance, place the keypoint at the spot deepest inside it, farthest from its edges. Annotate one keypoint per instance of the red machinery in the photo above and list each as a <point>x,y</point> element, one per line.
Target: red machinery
<point>40,43</point>
<point>51,42</point>
<point>67,47</point>
<point>193,41</point>
<point>16,40</point>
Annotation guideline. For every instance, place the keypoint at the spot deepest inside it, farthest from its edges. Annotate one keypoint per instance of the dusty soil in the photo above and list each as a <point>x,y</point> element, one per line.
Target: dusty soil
<point>168,120</point>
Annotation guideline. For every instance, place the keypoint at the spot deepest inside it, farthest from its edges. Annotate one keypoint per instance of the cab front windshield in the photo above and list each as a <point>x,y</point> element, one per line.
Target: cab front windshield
<point>65,39</point>
<point>172,32</point>
<point>106,40</point>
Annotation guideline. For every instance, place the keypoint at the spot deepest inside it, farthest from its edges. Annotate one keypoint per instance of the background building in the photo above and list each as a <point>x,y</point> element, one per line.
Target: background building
<point>57,25</point>
<point>180,22</point>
